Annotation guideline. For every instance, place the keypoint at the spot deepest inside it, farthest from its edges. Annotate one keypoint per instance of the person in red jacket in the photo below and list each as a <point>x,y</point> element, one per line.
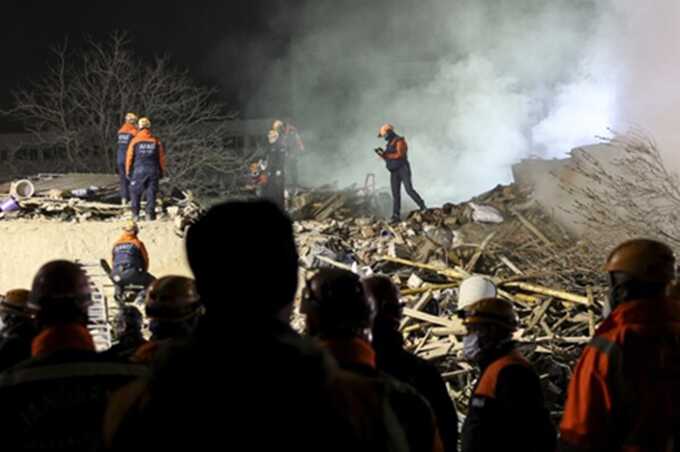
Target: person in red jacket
<point>624,394</point>
<point>145,167</point>
<point>125,134</point>
<point>395,155</point>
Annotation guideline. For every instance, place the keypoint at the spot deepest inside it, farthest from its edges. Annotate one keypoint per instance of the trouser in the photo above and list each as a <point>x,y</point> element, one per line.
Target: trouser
<point>275,189</point>
<point>129,276</point>
<point>146,185</point>
<point>292,171</point>
<point>123,181</point>
<point>399,176</point>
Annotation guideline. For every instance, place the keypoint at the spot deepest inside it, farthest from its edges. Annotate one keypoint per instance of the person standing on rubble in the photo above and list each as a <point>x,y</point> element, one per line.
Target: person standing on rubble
<point>624,394</point>
<point>130,260</point>
<point>125,134</point>
<point>340,315</point>
<point>174,309</point>
<point>392,359</point>
<point>506,410</point>
<point>275,188</point>
<point>290,139</point>
<point>145,167</point>
<point>395,155</point>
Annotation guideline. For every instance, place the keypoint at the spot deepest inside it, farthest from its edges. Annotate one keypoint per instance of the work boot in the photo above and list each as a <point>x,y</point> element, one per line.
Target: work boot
<point>395,219</point>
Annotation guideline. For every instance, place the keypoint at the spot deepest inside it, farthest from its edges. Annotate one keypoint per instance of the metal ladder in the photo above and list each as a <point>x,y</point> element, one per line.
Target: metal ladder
<point>101,311</point>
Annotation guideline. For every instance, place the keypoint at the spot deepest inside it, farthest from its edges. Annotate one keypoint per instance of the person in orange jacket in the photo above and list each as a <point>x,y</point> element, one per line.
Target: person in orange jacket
<point>145,167</point>
<point>624,394</point>
<point>174,308</point>
<point>506,410</point>
<point>395,155</point>
<point>125,135</point>
<point>130,260</point>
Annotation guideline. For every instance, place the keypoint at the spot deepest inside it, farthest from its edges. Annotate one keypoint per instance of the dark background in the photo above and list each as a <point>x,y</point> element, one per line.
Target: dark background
<point>227,44</point>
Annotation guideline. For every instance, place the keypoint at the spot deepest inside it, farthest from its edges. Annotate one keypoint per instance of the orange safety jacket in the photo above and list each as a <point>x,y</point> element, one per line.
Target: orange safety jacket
<point>131,239</point>
<point>625,391</point>
<point>144,138</point>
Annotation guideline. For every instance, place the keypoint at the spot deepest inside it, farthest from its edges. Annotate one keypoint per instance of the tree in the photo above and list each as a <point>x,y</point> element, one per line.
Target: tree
<point>79,104</point>
<point>635,195</point>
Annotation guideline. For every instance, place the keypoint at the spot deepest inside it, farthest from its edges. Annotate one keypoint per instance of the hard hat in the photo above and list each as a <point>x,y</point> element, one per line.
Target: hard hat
<point>385,129</point>
<point>490,310</point>
<point>172,298</point>
<point>144,123</point>
<point>131,118</point>
<point>16,302</point>
<point>131,227</point>
<point>337,297</point>
<point>473,289</point>
<point>644,260</point>
<point>277,125</point>
<point>58,287</point>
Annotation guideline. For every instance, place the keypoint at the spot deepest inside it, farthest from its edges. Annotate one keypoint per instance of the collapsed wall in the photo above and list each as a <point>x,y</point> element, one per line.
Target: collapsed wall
<point>27,244</point>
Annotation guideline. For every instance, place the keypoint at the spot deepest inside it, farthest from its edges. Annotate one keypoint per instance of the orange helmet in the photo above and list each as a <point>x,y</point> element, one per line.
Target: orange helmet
<point>643,259</point>
<point>385,129</point>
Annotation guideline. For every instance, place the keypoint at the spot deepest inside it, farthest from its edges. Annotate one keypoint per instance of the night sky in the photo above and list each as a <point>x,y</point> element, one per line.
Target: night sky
<point>210,39</point>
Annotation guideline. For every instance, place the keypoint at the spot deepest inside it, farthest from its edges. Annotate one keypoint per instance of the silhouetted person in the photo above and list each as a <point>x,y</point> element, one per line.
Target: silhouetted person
<point>392,359</point>
<point>56,400</point>
<point>174,309</point>
<point>341,316</point>
<point>18,328</point>
<point>245,379</point>
<point>130,336</point>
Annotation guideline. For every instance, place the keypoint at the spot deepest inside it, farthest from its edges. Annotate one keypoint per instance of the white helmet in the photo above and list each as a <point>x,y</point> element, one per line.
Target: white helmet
<point>473,289</point>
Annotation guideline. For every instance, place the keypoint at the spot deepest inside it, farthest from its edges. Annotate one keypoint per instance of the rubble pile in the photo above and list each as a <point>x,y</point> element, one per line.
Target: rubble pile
<point>84,197</point>
<point>553,281</point>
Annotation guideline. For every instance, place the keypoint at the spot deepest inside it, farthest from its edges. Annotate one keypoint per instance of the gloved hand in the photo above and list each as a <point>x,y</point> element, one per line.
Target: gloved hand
<point>379,151</point>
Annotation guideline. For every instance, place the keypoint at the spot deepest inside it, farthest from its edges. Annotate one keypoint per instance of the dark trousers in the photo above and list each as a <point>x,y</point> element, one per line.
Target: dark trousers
<point>123,181</point>
<point>292,171</point>
<point>402,175</point>
<point>274,191</point>
<point>146,185</point>
<point>130,276</point>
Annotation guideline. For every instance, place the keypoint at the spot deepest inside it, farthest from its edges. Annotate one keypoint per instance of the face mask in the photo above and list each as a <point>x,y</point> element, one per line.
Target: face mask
<point>471,347</point>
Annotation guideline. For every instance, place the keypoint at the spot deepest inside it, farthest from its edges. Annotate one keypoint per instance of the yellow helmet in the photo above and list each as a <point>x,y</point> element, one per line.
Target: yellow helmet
<point>644,260</point>
<point>385,129</point>
<point>144,123</point>
<point>490,310</point>
<point>131,227</point>
<point>131,118</point>
<point>277,125</point>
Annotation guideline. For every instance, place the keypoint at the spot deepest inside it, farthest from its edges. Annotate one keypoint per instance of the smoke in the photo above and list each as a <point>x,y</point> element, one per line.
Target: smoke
<point>474,85</point>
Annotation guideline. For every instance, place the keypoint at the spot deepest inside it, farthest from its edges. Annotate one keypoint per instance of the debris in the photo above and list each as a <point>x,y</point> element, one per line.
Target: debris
<point>485,214</point>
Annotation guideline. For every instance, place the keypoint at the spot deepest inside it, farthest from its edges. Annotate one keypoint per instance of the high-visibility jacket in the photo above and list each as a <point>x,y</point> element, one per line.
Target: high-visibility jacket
<point>507,410</point>
<point>125,134</point>
<point>145,154</point>
<point>130,252</point>
<point>625,391</point>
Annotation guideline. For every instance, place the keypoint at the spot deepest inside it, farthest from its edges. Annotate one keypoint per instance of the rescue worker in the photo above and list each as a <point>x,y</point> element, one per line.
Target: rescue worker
<point>506,409</point>
<point>395,155</point>
<point>624,394</point>
<point>173,307</point>
<point>130,337</point>
<point>130,260</point>
<point>18,328</point>
<point>341,316</point>
<point>290,139</point>
<point>125,134</point>
<point>275,382</point>
<point>392,359</point>
<point>56,399</point>
<point>145,167</point>
<point>275,189</point>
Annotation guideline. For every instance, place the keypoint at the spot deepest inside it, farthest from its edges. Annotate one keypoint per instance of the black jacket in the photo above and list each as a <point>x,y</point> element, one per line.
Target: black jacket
<point>507,411</point>
<point>15,346</point>
<point>58,401</point>
<point>392,359</point>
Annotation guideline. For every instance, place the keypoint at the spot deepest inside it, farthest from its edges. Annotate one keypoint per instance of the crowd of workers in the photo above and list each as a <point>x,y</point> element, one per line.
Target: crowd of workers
<point>223,366</point>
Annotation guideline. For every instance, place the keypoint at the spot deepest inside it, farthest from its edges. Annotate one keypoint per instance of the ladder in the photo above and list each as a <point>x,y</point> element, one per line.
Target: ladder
<point>100,312</point>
